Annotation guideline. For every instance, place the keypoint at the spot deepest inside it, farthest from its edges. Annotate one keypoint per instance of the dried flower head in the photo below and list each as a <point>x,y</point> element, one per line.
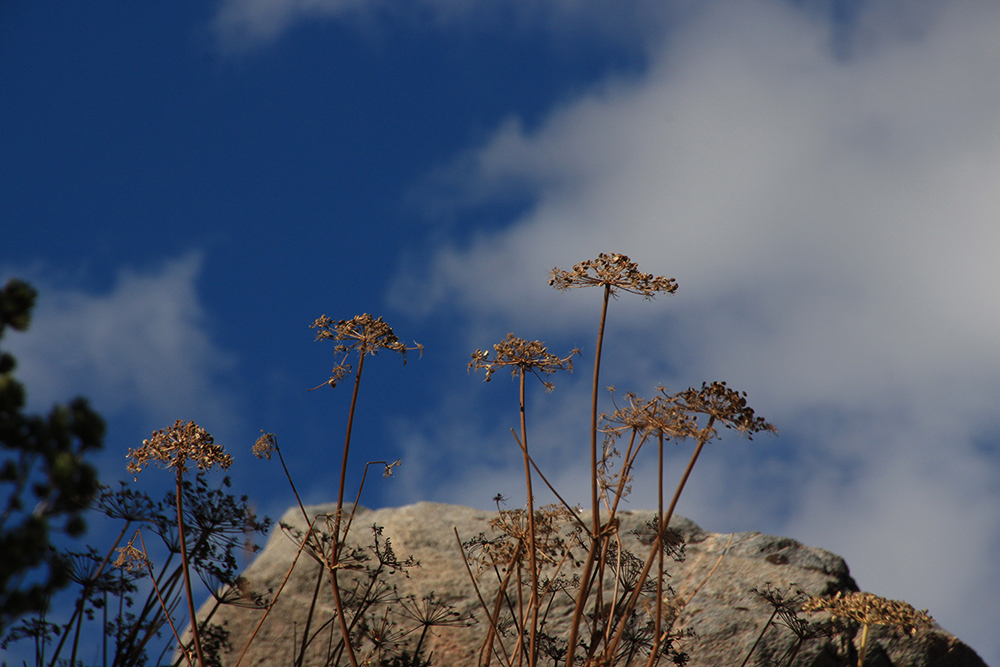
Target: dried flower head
<point>870,609</point>
<point>132,559</point>
<point>389,466</point>
<point>366,335</point>
<point>614,271</point>
<point>266,444</point>
<point>661,414</point>
<point>727,406</point>
<point>172,447</point>
<point>521,356</point>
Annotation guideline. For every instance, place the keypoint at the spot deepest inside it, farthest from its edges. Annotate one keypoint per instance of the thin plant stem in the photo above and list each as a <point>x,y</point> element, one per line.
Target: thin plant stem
<point>79,608</point>
<point>195,634</point>
<point>532,548</point>
<point>271,606</point>
<point>339,539</point>
<point>864,646</point>
<point>759,637</point>
<point>653,656</point>
<point>703,438</point>
<point>347,446</point>
<point>163,604</point>
<point>534,465</point>
<point>482,602</point>
<point>583,594</point>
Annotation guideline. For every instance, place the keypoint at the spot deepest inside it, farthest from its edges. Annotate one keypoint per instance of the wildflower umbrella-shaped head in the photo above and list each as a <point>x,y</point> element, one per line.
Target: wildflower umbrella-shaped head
<point>661,414</point>
<point>363,334</point>
<point>725,406</point>
<point>870,609</point>
<point>521,356</point>
<point>173,447</point>
<point>614,271</point>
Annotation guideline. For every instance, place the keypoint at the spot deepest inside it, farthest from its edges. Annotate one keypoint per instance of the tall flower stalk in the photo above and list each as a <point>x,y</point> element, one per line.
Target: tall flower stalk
<point>173,448</point>
<point>524,357</point>
<point>613,273</point>
<point>363,335</point>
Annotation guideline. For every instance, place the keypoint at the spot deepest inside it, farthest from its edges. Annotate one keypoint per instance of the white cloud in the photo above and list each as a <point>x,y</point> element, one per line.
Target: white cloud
<point>831,214</point>
<point>143,346</point>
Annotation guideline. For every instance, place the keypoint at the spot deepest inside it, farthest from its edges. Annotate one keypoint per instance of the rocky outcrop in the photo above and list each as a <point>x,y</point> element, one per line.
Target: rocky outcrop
<point>720,592</point>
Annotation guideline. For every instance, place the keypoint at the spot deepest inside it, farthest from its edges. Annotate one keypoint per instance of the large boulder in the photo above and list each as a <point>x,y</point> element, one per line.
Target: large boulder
<point>723,597</point>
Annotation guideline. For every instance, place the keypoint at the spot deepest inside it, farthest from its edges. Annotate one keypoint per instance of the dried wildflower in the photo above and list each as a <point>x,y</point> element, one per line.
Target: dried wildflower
<point>389,466</point>
<point>662,413</point>
<point>172,447</point>
<point>870,609</point>
<point>366,335</point>
<point>521,356</point>
<point>614,271</point>
<point>132,559</point>
<point>724,405</point>
<point>266,444</point>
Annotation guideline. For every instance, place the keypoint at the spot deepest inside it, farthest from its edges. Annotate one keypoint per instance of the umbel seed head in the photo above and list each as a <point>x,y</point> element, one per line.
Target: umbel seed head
<point>173,447</point>
<point>871,609</point>
<point>614,271</point>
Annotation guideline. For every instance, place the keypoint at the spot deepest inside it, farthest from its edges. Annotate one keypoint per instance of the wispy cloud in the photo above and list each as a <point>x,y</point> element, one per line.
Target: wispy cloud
<point>144,346</point>
<point>244,24</point>
<point>829,208</point>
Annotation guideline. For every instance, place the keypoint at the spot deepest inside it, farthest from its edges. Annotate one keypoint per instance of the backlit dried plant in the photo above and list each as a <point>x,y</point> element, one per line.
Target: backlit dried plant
<point>363,335</point>
<point>614,272</point>
<point>172,448</point>
<point>719,404</point>
<point>870,609</point>
<point>523,357</point>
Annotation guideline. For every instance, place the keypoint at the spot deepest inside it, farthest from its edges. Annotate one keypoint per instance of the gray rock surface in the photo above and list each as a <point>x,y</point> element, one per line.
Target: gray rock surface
<point>725,616</point>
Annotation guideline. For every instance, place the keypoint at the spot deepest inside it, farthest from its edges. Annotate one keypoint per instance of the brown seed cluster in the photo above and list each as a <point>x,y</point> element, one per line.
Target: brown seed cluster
<point>674,414</point>
<point>726,406</point>
<point>132,559</point>
<point>173,447</point>
<point>870,609</point>
<point>614,271</point>
<point>366,335</point>
<point>521,355</point>
<point>512,544</point>
<point>659,414</point>
<point>265,445</point>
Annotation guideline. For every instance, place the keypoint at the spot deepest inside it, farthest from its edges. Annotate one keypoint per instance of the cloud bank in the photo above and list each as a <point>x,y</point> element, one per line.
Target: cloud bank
<point>142,347</point>
<point>826,196</point>
<point>829,208</point>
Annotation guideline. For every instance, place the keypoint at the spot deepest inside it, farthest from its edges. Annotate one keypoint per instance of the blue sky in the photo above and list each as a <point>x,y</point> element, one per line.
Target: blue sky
<point>191,185</point>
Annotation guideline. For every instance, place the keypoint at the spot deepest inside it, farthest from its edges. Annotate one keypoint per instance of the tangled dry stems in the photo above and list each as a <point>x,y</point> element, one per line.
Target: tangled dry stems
<point>530,547</point>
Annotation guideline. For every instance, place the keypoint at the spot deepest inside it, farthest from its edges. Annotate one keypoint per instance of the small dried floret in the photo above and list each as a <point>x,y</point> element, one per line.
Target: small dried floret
<point>265,445</point>
<point>132,559</point>
<point>870,609</point>
<point>172,447</point>
<point>614,271</point>
<point>389,466</point>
